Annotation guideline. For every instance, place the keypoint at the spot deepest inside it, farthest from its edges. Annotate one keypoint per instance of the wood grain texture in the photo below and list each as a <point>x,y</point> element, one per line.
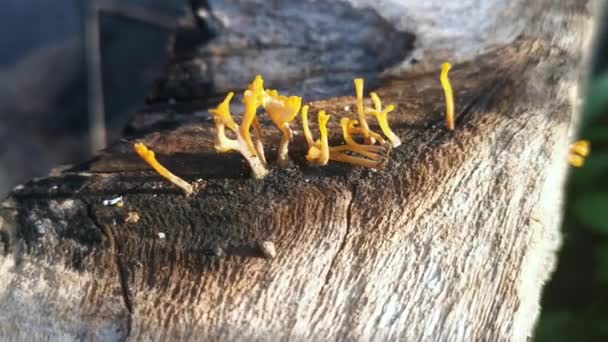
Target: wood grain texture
<point>452,241</point>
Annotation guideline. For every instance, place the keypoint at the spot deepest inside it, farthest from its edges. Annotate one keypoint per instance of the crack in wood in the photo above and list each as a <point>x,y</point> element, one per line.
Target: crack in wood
<point>123,272</point>
<point>344,239</point>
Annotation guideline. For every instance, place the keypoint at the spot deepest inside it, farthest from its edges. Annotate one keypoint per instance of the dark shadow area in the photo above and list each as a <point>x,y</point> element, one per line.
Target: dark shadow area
<point>43,80</point>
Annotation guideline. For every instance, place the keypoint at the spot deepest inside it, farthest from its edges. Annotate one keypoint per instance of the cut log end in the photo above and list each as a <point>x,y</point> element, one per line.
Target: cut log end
<point>452,240</point>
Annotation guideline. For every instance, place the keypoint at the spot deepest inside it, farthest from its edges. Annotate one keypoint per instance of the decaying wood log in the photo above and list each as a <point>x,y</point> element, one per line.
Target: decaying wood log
<point>453,240</point>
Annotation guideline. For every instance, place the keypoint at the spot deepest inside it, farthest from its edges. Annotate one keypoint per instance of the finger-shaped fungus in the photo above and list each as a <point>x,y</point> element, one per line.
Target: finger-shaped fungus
<point>375,154</point>
<point>282,110</point>
<point>449,95</point>
<point>318,151</point>
<point>578,151</point>
<point>338,156</point>
<point>369,151</point>
<point>365,131</point>
<point>307,135</point>
<point>251,102</point>
<point>382,117</point>
<point>223,118</point>
<point>354,129</point>
<point>254,154</point>
<point>148,155</point>
<point>257,140</point>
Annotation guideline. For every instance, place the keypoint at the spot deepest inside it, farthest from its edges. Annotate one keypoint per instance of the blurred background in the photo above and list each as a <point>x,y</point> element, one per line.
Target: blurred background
<point>72,71</point>
<point>60,61</point>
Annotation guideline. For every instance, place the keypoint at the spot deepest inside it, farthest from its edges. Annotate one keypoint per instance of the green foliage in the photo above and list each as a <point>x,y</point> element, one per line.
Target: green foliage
<point>568,326</point>
<point>601,255</point>
<point>592,211</point>
<point>597,100</point>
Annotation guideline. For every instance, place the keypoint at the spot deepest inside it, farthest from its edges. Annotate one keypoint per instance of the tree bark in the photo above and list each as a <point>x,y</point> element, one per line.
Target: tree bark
<point>453,240</point>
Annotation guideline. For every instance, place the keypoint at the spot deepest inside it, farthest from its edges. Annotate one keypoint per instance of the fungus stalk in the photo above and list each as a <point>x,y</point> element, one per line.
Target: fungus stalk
<point>243,143</point>
<point>318,151</point>
<point>375,154</point>
<point>257,140</point>
<point>449,96</point>
<point>365,131</point>
<point>252,99</point>
<point>148,156</point>
<point>345,158</point>
<point>282,110</point>
<point>382,118</point>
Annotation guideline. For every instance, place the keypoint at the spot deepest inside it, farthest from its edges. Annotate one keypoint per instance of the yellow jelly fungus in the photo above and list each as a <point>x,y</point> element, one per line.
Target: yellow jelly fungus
<point>382,118</point>
<point>148,155</point>
<point>344,158</point>
<point>318,151</point>
<point>449,95</point>
<point>323,119</point>
<point>375,154</point>
<point>222,112</point>
<point>257,87</point>
<point>360,111</point>
<point>369,151</point>
<point>355,130</point>
<point>252,151</point>
<point>578,151</point>
<point>282,110</point>
<point>576,160</point>
<point>305,128</point>
<point>257,136</point>
<point>374,158</point>
<point>581,147</point>
<point>251,106</point>
<point>252,99</point>
<point>223,118</point>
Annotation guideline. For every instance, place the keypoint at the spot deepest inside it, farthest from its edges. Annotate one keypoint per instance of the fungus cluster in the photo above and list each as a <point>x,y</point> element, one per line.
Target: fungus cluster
<point>367,154</point>
<point>362,146</point>
<point>282,110</point>
<point>579,150</point>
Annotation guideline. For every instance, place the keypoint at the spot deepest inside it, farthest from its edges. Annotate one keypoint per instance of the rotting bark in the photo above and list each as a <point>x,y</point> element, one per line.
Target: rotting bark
<point>453,240</point>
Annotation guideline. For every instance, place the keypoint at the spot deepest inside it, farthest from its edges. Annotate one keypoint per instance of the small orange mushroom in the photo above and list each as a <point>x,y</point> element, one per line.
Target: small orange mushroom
<point>282,110</point>
<point>148,156</point>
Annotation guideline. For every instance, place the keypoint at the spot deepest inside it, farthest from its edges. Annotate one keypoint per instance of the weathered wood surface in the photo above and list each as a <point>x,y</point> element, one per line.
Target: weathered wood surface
<point>452,241</point>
